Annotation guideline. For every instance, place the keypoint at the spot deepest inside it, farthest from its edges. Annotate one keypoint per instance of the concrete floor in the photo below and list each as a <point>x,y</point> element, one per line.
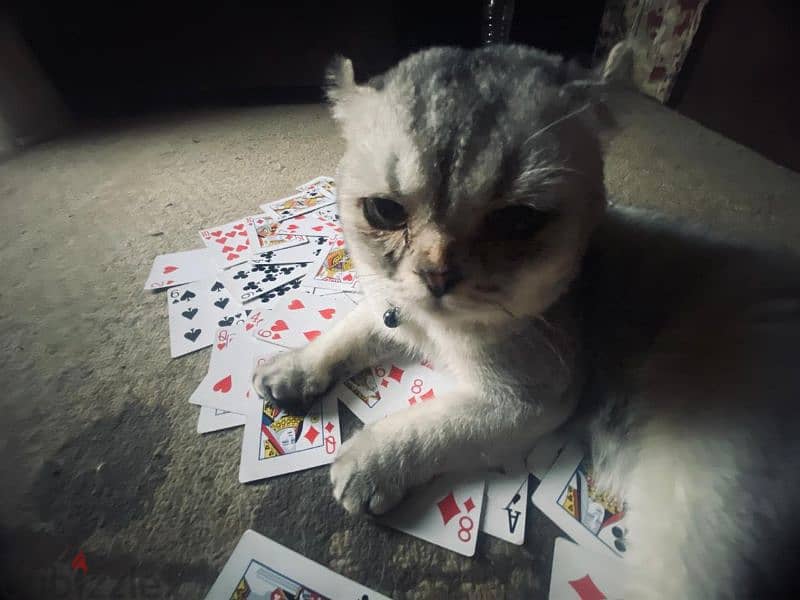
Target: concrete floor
<point>98,443</point>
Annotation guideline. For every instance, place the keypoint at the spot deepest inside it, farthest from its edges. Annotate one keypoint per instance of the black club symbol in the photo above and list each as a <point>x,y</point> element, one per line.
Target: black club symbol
<point>252,285</point>
<point>270,277</point>
<point>240,275</point>
<point>287,270</point>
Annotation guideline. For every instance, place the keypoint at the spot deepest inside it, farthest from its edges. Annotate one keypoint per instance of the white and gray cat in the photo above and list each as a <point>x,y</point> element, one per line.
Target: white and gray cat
<point>472,198</point>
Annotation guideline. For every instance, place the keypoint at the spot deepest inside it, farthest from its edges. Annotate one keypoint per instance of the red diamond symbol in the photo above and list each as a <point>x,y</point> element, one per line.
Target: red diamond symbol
<point>311,434</point>
<point>448,507</point>
<point>329,427</point>
<point>469,505</point>
<point>412,401</point>
<point>384,383</point>
<point>395,373</point>
<point>586,589</point>
<point>429,395</point>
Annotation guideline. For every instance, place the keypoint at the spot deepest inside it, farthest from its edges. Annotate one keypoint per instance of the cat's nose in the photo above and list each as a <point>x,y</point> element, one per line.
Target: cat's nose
<point>440,281</point>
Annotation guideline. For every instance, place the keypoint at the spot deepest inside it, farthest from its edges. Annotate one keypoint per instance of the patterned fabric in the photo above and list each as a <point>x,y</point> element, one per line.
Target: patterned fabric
<point>661,32</point>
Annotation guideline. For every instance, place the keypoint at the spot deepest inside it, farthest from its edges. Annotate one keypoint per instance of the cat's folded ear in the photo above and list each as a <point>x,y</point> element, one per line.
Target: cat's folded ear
<point>341,88</point>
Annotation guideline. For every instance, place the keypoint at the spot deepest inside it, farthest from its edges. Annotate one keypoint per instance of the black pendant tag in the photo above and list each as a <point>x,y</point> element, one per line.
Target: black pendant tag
<point>391,318</point>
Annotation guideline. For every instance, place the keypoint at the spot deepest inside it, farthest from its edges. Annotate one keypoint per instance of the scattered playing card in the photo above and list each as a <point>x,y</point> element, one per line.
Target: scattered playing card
<point>323,184</point>
<point>230,243</point>
<point>333,269</point>
<point>299,320</point>
<point>544,453</point>
<point>249,281</point>
<point>389,387</point>
<point>446,512</point>
<point>277,442</point>
<point>304,253</point>
<point>590,517</point>
<point>262,231</point>
<point>213,419</point>
<point>298,204</point>
<point>506,507</point>
<point>580,574</point>
<point>180,267</point>
<point>323,222</point>
<point>260,569</point>
<point>196,311</point>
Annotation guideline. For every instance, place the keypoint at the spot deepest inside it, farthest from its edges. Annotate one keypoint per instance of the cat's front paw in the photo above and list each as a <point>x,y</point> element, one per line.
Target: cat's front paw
<point>291,381</point>
<point>366,475</point>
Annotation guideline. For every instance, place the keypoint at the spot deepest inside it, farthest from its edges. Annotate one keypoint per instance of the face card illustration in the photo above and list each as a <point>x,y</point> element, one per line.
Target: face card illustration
<point>446,512</point>
<point>568,496</point>
<point>323,184</point>
<point>302,319</point>
<point>277,442</point>
<point>261,569</point>
<point>323,222</point>
<point>213,419</point>
<point>333,269</point>
<point>249,281</point>
<point>229,244</point>
<point>580,574</point>
<point>506,508</point>
<point>263,234</point>
<point>298,204</point>
<point>179,268</point>
<point>196,310</point>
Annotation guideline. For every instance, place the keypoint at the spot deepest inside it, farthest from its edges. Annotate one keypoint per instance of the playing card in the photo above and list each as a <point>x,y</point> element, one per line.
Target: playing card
<point>262,231</point>
<point>277,442</point>
<point>333,269</point>
<point>196,310</point>
<point>213,419</point>
<point>180,267</point>
<point>446,512</point>
<point>580,574</point>
<point>544,453</point>
<point>506,507</point>
<point>298,204</point>
<point>230,243</point>
<point>323,222</point>
<point>304,253</point>
<point>389,387</point>
<point>260,569</point>
<point>323,184</point>
<point>298,320</point>
<point>590,517</point>
<point>248,281</point>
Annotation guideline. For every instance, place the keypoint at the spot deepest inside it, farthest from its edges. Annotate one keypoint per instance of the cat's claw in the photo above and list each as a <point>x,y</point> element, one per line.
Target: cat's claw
<point>287,381</point>
<point>366,475</point>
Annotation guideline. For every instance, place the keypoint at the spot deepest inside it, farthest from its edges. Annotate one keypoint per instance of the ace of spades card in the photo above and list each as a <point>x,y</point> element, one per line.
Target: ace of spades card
<point>249,281</point>
<point>506,508</point>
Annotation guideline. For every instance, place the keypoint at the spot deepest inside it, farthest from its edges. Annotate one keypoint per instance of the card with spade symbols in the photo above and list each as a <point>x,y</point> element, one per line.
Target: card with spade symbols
<point>260,569</point>
<point>298,204</point>
<point>569,497</point>
<point>213,419</point>
<point>323,222</point>
<point>196,310</point>
<point>579,573</point>
<point>262,230</point>
<point>301,319</point>
<point>180,267</point>
<point>248,281</point>
<point>276,441</point>
<point>229,244</point>
<point>333,269</point>
<point>445,512</point>
<point>391,386</point>
<point>323,184</point>
<point>506,506</point>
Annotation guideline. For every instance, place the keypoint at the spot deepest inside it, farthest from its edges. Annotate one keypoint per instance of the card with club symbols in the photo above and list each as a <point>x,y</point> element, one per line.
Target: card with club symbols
<point>230,243</point>
<point>506,508</point>
<point>308,252</point>
<point>263,234</point>
<point>213,419</point>
<point>196,310</point>
<point>298,204</point>
<point>323,184</point>
<point>276,441</point>
<point>301,319</point>
<point>180,267</point>
<point>568,496</point>
<point>333,269</point>
<point>261,569</point>
<point>249,281</point>
<point>445,512</point>
<point>323,222</point>
<point>580,574</point>
<point>391,386</point>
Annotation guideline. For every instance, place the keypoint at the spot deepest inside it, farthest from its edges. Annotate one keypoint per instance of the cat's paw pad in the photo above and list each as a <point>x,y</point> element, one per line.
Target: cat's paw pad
<point>289,381</point>
<point>365,475</point>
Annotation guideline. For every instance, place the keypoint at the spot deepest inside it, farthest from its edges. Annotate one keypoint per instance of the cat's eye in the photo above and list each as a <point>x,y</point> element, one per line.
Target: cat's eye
<point>383,213</point>
<point>515,223</point>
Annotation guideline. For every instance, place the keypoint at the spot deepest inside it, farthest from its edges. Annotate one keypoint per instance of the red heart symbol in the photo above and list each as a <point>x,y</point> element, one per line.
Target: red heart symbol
<point>241,247</point>
<point>277,336</point>
<point>340,242</point>
<point>240,226</point>
<point>317,228</point>
<point>221,345</point>
<point>221,240</point>
<point>348,277</point>
<point>327,313</point>
<point>279,325</point>
<point>311,335</point>
<point>295,304</point>
<point>216,233</point>
<point>231,256</point>
<point>227,249</point>
<point>299,217</point>
<point>223,385</point>
<point>248,327</point>
<point>169,269</point>
<point>292,227</point>
<point>231,233</point>
<point>242,233</point>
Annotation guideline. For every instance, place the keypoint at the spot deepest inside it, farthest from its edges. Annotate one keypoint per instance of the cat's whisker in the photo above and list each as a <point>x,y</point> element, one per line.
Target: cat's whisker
<point>561,119</point>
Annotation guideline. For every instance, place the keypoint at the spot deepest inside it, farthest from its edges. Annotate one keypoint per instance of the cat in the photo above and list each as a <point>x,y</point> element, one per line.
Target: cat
<point>473,203</point>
